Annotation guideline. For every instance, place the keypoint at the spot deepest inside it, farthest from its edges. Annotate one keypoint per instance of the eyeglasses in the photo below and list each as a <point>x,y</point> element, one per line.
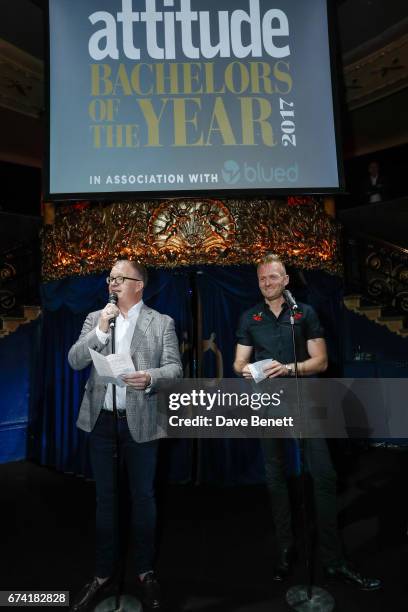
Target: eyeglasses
<point>119,280</point>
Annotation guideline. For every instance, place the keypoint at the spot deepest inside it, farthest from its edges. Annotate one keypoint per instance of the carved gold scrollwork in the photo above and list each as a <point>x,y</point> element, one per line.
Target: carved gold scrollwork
<point>401,273</point>
<point>7,272</point>
<point>7,300</point>
<point>186,227</point>
<point>401,301</point>
<point>374,261</point>
<point>378,288</point>
<point>87,239</point>
<point>387,278</point>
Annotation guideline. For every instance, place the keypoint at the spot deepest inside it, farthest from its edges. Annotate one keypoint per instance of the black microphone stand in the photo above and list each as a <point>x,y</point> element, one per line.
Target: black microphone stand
<point>119,603</point>
<point>304,598</point>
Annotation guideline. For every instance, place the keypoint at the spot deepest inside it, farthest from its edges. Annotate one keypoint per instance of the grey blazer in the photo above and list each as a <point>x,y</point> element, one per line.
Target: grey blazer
<point>154,349</point>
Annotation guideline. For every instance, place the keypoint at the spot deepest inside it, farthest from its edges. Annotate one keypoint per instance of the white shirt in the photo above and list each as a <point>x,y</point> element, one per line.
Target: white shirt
<point>123,337</point>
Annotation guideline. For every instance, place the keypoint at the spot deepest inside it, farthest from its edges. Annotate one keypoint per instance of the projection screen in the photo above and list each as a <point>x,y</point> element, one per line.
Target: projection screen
<point>154,97</point>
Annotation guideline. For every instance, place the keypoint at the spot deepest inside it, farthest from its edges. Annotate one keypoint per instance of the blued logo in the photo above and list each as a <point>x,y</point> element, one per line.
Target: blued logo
<point>258,173</point>
<point>231,172</point>
<point>263,174</point>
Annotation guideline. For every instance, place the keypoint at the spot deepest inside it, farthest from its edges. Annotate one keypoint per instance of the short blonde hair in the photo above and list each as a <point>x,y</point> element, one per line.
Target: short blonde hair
<point>271,258</point>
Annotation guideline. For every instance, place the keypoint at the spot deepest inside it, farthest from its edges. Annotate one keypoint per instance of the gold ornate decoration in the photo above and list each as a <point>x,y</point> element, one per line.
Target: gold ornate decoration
<point>179,229</point>
<point>386,273</point>
<point>210,346</point>
<point>87,238</point>
<point>7,271</point>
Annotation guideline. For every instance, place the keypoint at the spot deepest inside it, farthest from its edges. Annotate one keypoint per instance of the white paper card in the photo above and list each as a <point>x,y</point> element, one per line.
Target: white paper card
<point>257,369</point>
<point>111,367</point>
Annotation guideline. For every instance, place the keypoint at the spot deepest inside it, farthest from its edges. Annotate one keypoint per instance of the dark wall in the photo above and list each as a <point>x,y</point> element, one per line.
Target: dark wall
<point>20,189</point>
<point>393,165</point>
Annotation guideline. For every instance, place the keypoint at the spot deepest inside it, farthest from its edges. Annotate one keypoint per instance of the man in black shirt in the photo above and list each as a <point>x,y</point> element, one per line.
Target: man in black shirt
<point>265,330</point>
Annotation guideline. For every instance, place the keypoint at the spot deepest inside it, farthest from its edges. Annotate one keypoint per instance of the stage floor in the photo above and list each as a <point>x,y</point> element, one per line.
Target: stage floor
<point>216,544</point>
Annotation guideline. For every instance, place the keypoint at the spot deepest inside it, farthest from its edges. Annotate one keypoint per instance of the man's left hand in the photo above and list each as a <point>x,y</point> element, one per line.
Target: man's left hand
<point>137,380</point>
<point>275,369</point>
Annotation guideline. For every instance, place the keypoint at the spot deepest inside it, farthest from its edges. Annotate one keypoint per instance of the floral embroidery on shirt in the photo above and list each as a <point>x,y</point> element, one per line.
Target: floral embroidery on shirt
<point>257,316</point>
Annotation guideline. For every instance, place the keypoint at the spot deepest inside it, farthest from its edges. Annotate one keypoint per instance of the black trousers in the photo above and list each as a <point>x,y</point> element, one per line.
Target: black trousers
<point>319,465</point>
<point>140,462</point>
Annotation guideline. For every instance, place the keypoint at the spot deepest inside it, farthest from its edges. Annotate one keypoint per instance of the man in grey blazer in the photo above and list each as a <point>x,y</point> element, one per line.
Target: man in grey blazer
<point>151,340</point>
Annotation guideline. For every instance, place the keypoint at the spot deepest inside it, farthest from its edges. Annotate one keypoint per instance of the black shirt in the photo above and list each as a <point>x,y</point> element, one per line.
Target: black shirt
<point>271,336</point>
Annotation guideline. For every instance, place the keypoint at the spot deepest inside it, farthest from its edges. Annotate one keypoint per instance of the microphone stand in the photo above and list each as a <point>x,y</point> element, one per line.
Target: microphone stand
<point>304,598</point>
<point>118,603</point>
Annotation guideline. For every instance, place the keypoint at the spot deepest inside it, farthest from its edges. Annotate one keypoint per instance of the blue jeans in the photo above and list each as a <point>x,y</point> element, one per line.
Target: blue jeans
<point>140,461</point>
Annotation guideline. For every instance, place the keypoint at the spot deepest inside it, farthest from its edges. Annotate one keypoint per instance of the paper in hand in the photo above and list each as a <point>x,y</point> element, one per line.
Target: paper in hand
<point>111,367</point>
<point>257,369</point>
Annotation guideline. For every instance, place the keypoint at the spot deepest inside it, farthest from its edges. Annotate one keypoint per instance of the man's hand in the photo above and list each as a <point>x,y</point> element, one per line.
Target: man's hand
<point>137,380</point>
<point>246,372</point>
<point>275,369</point>
<point>109,312</point>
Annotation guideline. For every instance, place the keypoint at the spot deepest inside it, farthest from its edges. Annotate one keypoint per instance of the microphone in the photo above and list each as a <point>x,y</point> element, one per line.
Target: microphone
<point>290,300</point>
<point>113,299</point>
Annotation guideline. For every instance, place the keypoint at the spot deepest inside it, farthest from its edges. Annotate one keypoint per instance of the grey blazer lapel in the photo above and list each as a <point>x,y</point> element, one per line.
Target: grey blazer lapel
<point>143,321</point>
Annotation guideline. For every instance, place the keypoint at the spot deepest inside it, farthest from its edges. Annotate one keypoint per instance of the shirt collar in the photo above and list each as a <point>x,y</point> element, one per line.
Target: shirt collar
<point>266,308</point>
<point>134,311</point>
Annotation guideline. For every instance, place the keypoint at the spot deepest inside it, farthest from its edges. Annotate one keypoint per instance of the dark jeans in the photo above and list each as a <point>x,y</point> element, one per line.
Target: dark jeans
<point>319,465</point>
<point>140,461</point>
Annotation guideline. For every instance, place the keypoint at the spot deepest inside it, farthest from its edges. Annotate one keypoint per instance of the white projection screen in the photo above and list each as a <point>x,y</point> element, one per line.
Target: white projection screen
<point>179,97</point>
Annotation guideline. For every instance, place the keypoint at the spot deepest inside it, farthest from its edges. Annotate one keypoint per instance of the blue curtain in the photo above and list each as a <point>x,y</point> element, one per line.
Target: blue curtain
<point>325,293</point>
<point>19,359</point>
<point>223,294</point>
<point>55,439</point>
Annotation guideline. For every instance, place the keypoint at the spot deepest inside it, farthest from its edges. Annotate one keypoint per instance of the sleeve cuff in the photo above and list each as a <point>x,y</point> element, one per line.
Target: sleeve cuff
<point>102,336</point>
<point>149,387</point>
